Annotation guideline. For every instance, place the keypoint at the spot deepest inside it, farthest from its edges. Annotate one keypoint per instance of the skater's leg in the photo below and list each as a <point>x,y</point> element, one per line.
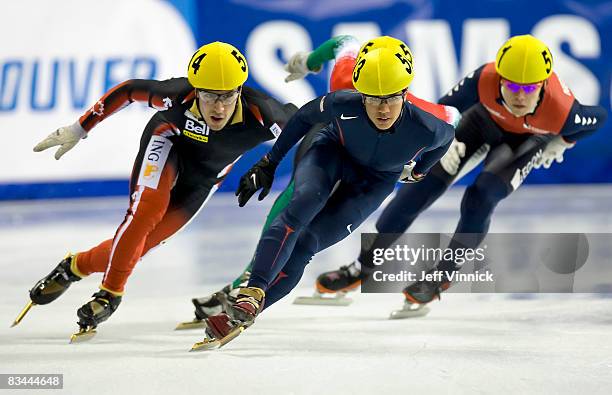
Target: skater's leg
<point>345,211</point>
<point>503,173</point>
<point>292,272</point>
<point>279,205</point>
<point>315,178</point>
<point>283,199</point>
<point>505,170</point>
<point>150,191</point>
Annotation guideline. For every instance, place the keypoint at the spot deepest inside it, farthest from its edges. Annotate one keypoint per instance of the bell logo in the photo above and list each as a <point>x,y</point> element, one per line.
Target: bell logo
<point>192,127</point>
<point>196,132</point>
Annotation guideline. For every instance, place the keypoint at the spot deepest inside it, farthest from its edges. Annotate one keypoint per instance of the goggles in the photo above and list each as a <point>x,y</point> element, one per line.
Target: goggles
<point>224,98</point>
<point>516,88</point>
<point>379,100</point>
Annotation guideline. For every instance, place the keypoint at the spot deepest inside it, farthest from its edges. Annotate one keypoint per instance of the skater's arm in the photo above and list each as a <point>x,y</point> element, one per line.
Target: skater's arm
<point>159,95</point>
<point>582,121</point>
<point>304,63</point>
<point>448,114</point>
<point>443,139</point>
<point>465,94</point>
<point>318,110</point>
<point>273,114</point>
<point>332,49</point>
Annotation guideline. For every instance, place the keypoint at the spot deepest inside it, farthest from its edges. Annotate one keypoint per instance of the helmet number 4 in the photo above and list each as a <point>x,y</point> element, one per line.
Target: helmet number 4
<point>195,64</point>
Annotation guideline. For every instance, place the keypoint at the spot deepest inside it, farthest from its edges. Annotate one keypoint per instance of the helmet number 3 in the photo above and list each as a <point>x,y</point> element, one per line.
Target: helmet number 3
<point>195,64</point>
<point>358,69</point>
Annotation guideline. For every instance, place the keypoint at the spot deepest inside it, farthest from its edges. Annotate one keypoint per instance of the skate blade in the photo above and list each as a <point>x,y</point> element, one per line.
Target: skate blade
<point>83,335</point>
<point>412,311</point>
<point>195,324</point>
<point>213,343</point>
<point>338,299</point>
<point>23,313</point>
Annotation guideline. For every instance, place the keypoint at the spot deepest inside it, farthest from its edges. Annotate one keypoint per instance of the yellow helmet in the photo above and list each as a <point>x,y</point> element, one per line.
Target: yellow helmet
<point>217,66</point>
<point>382,72</point>
<point>392,43</point>
<point>524,60</point>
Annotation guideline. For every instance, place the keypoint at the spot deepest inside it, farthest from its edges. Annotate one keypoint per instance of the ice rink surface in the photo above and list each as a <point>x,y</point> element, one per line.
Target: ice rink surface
<point>468,344</point>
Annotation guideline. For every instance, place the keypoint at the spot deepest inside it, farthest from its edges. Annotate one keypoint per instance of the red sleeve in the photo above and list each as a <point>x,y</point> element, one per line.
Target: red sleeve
<point>159,95</point>
<point>447,114</point>
<point>342,73</point>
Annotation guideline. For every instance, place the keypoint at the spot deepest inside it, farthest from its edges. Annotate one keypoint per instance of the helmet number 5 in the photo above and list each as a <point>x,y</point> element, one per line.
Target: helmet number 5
<point>240,60</point>
<point>405,62</point>
<point>547,61</point>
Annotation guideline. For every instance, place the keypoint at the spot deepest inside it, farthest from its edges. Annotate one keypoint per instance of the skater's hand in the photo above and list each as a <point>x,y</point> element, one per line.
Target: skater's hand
<point>408,175</point>
<point>66,137</point>
<point>261,175</point>
<point>297,67</point>
<point>452,159</point>
<point>553,152</point>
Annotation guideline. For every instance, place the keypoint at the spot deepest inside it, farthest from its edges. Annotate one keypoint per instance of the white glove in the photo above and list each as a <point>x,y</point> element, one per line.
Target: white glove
<point>408,176</point>
<point>66,137</point>
<point>554,151</point>
<point>297,67</point>
<point>452,158</point>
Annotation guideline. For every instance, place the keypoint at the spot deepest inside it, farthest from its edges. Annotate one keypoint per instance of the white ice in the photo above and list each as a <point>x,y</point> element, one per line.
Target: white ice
<point>553,344</point>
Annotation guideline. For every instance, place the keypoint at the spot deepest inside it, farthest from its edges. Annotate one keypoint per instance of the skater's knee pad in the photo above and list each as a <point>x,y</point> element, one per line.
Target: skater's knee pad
<point>481,197</point>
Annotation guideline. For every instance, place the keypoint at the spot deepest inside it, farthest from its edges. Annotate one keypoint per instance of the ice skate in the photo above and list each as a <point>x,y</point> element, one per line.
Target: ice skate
<point>332,287</point>
<point>214,304</point>
<point>409,310</point>
<point>50,287</point>
<point>220,330</point>
<point>423,292</point>
<point>224,327</point>
<point>205,307</point>
<point>93,313</point>
<point>417,296</point>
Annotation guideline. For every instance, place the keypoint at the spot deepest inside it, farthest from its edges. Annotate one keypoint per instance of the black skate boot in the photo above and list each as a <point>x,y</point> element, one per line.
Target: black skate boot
<point>55,283</point>
<point>345,279</point>
<point>51,286</point>
<point>418,295</point>
<point>93,313</point>
<point>423,292</point>
<point>207,306</point>
<point>214,304</point>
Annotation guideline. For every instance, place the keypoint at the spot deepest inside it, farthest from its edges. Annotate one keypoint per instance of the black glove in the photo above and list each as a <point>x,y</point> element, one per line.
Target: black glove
<point>261,175</point>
